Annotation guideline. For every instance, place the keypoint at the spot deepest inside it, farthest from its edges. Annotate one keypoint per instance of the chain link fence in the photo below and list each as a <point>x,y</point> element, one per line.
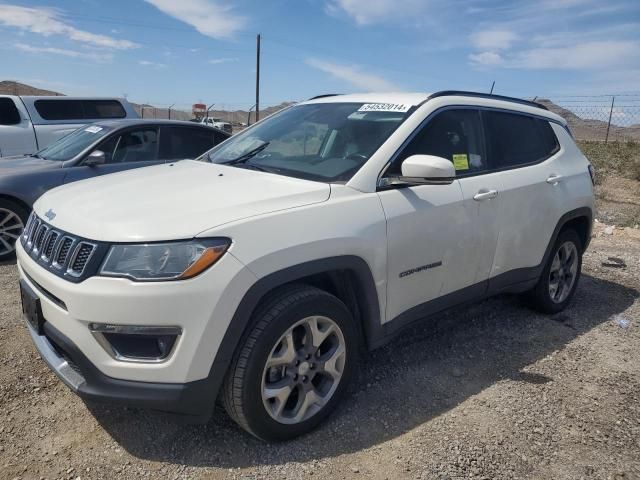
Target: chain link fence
<point>603,118</point>
<point>237,114</point>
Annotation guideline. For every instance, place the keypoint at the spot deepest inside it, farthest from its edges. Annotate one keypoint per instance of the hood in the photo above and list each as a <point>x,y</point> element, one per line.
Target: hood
<point>172,201</point>
<point>25,163</point>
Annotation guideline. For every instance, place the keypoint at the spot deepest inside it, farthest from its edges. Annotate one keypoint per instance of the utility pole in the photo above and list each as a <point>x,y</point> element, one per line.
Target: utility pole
<point>258,78</point>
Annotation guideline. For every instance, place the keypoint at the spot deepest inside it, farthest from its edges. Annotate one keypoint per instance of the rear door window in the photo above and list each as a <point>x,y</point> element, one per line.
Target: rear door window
<point>184,142</point>
<point>9,114</point>
<point>515,140</point>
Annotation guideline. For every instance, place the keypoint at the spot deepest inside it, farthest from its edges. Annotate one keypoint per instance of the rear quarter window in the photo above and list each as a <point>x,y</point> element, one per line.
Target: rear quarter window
<point>515,140</point>
<point>9,114</point>
<point>184,142</point>
<point>79,109</point>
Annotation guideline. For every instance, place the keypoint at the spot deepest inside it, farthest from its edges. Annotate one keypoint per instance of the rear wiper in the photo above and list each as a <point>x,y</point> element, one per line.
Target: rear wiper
<point>247,156</point>
<point>35,155</point>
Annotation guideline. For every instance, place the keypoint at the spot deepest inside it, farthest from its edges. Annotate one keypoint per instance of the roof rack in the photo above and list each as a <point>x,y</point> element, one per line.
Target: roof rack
<point>449,93</point>
<point>325,95</point>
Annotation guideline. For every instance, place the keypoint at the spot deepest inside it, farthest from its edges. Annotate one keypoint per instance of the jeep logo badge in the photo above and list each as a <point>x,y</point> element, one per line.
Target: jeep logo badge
<point>50,214</point>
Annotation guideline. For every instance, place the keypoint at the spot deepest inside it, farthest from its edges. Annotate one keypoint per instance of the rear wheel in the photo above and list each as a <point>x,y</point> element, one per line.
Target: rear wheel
<point>13,218</point>
<point>294,366</point>
<point>560,276</point>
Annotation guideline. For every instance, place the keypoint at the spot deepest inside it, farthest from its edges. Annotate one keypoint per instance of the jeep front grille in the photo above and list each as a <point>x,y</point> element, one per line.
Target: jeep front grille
<point>64,254</point>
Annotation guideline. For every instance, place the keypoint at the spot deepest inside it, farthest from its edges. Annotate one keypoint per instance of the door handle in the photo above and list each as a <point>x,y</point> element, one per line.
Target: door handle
<point>485,194</point>
<point>554,179</point>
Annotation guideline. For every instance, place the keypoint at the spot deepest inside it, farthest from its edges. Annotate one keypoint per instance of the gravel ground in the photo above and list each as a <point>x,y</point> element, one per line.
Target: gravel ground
<point>493,391</point>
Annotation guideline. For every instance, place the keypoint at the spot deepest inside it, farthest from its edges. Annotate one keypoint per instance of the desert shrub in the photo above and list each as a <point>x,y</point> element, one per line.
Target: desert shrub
<point>618,158</point>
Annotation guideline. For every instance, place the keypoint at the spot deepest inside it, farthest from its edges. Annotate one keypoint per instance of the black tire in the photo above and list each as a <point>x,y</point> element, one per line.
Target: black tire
<point>242,391</point>
<point>14,207</point>
<point>540,297</point>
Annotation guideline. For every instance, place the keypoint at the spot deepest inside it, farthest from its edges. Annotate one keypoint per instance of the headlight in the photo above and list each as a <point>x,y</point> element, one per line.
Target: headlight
<point>164,261</point>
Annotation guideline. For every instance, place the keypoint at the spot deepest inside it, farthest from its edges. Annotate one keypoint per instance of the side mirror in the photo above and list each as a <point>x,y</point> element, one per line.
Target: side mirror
<point>427,170</point>
<point>97,157</point>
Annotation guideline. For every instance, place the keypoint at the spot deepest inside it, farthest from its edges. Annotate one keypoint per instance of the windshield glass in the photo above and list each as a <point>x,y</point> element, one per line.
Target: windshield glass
<point>71,145</point>
<point>327,142</point>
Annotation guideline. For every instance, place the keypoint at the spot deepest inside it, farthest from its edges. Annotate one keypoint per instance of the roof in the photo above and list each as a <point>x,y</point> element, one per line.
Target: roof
<point>130,122</point>
<point>470,98</point>
<point>382,97</point>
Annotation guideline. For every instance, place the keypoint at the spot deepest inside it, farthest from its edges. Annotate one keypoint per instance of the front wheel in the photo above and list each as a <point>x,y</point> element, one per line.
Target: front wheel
<point>560,276</point>
<point>294,366</point>
<point>13,218</point>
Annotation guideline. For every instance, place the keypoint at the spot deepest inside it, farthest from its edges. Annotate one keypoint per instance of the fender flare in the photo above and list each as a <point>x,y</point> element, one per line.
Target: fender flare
<point>240,324</point>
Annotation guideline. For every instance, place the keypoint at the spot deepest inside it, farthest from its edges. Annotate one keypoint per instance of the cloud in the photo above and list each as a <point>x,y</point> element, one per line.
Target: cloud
<point>366,12</point>
<point>98,57</point>
<point>352,74</point>
<point>209,17</point>
<point>486,59</point>
<point>218,61</point>
<point>149,63</point>
<point>493,39</point>
<point>47,22</point>
<point>595,55</point>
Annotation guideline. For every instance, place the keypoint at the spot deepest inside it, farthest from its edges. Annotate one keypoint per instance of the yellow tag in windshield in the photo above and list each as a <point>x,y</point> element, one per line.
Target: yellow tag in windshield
<point>460,161</point>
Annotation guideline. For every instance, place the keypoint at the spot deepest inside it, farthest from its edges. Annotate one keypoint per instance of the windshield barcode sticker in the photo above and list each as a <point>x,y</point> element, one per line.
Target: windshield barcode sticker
<point>93,129</point>
<point>384,107</point>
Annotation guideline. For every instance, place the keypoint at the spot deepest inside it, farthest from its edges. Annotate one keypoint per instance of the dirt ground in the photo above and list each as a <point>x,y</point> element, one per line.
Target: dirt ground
<point>490,391</point>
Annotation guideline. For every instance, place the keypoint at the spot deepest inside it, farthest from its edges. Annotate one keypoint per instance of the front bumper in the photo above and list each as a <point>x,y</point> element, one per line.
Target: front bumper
<point>187,381</point>
<point>195,399</point>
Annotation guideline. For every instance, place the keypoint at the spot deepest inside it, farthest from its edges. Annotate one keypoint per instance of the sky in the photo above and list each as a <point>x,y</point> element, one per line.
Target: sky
<point>186,51</point>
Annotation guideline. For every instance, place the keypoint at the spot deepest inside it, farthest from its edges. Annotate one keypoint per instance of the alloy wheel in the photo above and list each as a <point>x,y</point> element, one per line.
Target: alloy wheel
<point>562,274</point>
<point>303,370</point>
<point>11,227</point>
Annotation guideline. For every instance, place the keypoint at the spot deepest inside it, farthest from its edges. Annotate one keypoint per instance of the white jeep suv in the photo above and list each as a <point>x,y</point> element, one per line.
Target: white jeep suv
<point>259,271</point>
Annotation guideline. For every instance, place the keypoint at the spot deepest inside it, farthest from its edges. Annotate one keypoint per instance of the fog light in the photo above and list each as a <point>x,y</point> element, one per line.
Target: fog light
<point>133,343</point>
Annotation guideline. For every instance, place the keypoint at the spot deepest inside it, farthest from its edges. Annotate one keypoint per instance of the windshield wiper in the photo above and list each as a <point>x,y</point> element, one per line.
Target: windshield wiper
<point>254,166</point>
<point>249,155</point>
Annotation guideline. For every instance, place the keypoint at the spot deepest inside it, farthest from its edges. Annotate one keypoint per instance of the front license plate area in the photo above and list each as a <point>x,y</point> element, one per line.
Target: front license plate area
<point>31,307</point>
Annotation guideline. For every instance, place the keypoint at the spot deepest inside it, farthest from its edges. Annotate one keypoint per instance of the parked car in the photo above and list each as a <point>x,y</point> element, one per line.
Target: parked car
<point>327,227</point>
<point>218,123</point>
<point>96,149</point>
<point>29,123</point>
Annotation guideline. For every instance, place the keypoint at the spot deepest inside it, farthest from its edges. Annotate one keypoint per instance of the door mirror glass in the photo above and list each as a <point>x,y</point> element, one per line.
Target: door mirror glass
<point>97,157</point>
<point>427,170</point>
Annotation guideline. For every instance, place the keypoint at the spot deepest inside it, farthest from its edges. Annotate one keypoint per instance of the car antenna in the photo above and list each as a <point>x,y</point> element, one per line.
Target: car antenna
<point>492,85</point>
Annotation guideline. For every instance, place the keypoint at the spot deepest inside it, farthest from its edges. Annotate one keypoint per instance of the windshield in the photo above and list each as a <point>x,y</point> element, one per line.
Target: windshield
<point>327,142</point>
<point>71,145</point>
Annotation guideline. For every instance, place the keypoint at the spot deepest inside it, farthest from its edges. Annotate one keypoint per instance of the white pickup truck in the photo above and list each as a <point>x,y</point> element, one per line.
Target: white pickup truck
<point>30,123</point>
<point>217,123</point>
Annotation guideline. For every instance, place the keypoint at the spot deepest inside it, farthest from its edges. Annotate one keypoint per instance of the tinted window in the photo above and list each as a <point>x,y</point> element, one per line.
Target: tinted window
<point>140,145</point>
<point>220,137</point>
<point>184,142</point>
<point>79,109</point>
<point>453,134</point>
<point>100,109</point>
<point>515,140</point>
<point>9,114</point>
